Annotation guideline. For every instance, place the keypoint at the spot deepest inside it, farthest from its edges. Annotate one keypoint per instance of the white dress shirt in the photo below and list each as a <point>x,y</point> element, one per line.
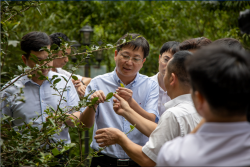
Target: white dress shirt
<point>179,119</point>
<point>163,96</point>
<point>214,144</point>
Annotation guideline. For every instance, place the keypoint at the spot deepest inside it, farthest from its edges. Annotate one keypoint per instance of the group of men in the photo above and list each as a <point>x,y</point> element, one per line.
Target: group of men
<point>192,112</point>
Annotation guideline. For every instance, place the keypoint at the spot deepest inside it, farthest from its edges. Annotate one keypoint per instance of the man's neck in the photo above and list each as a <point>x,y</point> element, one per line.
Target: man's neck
<point>178,92</point>
<point>38,81</point>
<point>54,69</point>
<point>161,83</point>
<point>125,80</point>
<point>226,119</point>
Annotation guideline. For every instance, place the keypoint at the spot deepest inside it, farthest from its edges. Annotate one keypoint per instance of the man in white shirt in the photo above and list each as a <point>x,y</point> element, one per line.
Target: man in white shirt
<point>179,119</point>
<point>61,61</point>
<point>166,53</point>
<point>220,80</point>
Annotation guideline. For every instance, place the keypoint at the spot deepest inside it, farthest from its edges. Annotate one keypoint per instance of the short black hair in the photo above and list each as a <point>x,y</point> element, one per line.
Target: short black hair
<point>171,46</point>
<point>194,43</point>
<point>177,66</point>
<point>222,76</point>
<point>56,40</point>
<point>34,41</point>
<point>228,42</point>
<point>136,44</point>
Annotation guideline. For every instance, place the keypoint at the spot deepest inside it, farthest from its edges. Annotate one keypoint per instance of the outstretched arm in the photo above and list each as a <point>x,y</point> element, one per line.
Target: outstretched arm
<point>127,95</point>
<point>109,136</point>
<point>87,117</point>
<point>121,107</point>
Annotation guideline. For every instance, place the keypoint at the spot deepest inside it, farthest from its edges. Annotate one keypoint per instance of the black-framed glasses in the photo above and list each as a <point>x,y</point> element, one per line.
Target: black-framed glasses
<point>136,60</point>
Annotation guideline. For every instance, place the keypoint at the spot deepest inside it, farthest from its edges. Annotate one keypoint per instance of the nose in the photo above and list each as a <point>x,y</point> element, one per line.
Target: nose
<point>66,59</point>
<point>130,62</point>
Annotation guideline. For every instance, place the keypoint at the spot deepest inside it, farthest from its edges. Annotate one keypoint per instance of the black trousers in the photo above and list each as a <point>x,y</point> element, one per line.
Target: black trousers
<point>106,161</point>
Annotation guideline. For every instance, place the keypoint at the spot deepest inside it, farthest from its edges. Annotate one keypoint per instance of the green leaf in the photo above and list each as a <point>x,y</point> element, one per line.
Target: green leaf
<point>54,76</point>
<point>109,96</point>
<point>94,100</point>
<point>55,152</point>
<point>122,85</point>
<point>74,77</point>
<point>132,127</point>
<point>35,59</point>
<point>57,80</point>
<point>52,122</point>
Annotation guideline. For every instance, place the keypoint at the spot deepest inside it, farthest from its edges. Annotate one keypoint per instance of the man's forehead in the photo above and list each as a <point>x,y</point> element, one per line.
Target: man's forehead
<point>168,54</point>
<point>137,51</point>
<point>40,53</point>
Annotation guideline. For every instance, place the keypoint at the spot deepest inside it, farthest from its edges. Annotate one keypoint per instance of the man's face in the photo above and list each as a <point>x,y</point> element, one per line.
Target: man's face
<point>128,68</point>
<point>166,79</point>
<point>163,60</point>
<point>41,55</point>
<point>61,61</point>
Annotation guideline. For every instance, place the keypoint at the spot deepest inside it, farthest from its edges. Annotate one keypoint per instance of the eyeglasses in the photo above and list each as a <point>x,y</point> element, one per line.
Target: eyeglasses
<point>133,59</point>
<point>164,59</point>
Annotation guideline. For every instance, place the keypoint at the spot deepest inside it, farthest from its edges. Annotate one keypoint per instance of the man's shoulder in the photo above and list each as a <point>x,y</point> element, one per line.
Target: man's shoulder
<point>143,79</point>
<point>182,109</point>
<point>16,86</point>
<point>107,76</point>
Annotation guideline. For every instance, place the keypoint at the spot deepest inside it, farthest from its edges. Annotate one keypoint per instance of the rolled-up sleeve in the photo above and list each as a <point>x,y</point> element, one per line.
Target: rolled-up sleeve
<point>165,131</point>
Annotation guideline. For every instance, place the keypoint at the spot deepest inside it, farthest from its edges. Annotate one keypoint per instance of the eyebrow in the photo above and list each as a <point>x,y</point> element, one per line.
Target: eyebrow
<point>167,56</point>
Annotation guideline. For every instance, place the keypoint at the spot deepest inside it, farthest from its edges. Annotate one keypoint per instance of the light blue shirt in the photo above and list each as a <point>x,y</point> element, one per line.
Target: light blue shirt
<point>37,98</point>
<point>145,93</point>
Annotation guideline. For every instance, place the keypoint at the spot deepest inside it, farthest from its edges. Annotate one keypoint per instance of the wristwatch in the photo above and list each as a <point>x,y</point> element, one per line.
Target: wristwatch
<point>82,82</point>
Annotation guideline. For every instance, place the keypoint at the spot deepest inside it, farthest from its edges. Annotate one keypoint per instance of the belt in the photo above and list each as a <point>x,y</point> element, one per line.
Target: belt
<point>116,161</point>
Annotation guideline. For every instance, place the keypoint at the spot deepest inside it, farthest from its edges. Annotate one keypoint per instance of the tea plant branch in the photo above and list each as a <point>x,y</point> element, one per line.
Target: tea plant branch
<point>20,12</point>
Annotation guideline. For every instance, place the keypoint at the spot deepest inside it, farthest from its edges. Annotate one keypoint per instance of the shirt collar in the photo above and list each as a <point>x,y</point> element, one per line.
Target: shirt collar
<point>216,127</point>
<point>186,98</point>
<point>25,78</point>
<point>118,80</point>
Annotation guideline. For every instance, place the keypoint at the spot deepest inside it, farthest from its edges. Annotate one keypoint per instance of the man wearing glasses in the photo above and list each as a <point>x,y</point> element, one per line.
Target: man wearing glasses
<point>167,51</point>
<point>139,91</point>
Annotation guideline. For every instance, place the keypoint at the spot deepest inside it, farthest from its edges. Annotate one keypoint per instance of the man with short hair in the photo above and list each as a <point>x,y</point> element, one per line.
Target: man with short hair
<point>61,61</point>
<point>140,92</point>
<point>220,79</point>
<point>37,92</point>
<point>192,45</point>
<point>179,119</point>
<point>167,51</point>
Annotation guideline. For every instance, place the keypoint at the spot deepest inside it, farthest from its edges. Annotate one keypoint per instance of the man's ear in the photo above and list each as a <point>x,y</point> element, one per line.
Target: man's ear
<point>24,59</point>
<point>143,60</point>
<point>199,102</point>
<point>173,79</point>
<point>116,53</point>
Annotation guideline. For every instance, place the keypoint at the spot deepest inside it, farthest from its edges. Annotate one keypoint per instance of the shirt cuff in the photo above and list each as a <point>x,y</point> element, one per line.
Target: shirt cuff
<point>149,153</point>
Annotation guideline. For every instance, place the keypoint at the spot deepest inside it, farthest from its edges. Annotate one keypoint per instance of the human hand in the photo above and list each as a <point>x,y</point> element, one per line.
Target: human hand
<point>125,93</point>
<point>108,136</point>
<point>100,95</point>
<point>120,106</point>
<point>76,83</point>
<point>81,90</point>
